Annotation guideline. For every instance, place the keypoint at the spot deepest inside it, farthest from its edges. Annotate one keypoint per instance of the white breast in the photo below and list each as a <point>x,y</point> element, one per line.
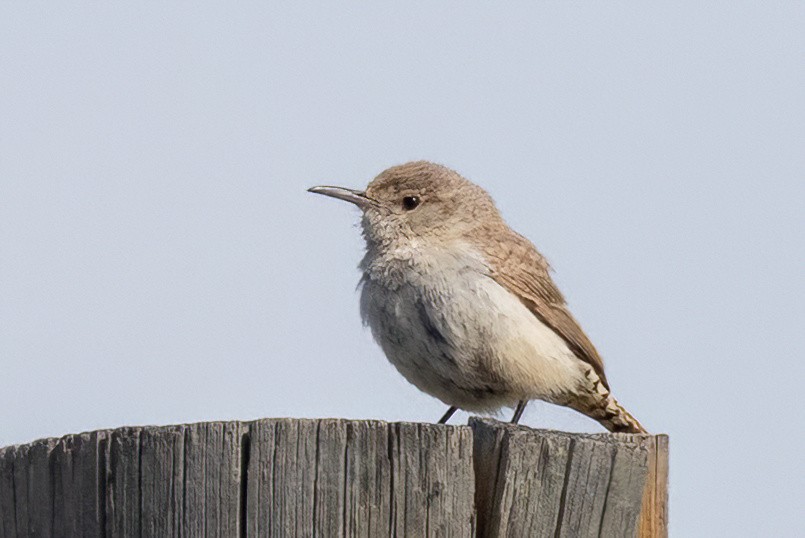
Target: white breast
<point>458,335</point>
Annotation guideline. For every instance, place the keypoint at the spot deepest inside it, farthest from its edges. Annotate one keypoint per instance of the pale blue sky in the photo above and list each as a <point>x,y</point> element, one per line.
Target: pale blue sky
<point>161,262</point>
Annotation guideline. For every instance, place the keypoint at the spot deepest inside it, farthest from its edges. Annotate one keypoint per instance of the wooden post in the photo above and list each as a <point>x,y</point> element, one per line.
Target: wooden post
<point>548,483</point>
<point>331,477</point>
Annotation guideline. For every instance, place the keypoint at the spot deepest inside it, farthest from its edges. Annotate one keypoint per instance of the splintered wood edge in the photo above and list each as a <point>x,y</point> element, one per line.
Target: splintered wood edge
<point>654,515</point>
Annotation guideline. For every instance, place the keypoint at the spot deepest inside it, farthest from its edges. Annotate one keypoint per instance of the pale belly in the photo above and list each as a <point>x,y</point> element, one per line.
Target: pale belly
<point>463,338</point>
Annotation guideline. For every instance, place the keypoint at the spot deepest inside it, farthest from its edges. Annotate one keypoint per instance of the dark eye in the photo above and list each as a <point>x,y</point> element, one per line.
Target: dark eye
<point>410,202</point>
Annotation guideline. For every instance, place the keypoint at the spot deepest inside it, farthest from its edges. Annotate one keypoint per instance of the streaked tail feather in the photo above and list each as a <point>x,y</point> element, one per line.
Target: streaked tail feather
<point>618,420</point>
<point>599,404</point>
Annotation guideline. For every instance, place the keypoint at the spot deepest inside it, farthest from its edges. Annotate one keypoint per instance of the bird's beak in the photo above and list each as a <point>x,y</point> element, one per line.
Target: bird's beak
<point>350,195</point>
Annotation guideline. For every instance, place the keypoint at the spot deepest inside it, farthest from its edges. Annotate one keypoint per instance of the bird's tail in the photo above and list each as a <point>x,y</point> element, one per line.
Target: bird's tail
<point>618,420</point>
<point>599,404</point>
<point>610,414</point>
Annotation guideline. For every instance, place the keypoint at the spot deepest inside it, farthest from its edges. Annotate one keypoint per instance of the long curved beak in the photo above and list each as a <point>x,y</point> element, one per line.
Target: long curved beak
<point>350,195</point>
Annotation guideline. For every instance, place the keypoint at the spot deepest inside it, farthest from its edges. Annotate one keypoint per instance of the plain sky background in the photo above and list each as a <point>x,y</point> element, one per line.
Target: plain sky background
<point>161,262</point>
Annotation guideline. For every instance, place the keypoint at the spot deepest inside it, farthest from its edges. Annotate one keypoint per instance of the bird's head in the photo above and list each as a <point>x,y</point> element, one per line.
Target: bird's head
<point>418,201</point>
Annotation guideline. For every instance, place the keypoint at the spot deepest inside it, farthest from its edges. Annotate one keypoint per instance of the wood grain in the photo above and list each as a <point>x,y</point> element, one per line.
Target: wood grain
<point>548,483</point>
<point>333,477</point>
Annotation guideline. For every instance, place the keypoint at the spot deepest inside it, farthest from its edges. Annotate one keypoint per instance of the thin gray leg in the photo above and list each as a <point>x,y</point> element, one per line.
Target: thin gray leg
<point>448,414</point>
<point>518,411</point>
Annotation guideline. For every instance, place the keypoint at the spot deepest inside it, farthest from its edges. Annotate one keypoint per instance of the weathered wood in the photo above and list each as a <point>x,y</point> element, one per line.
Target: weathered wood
<point>161,480</point>
<point>79,469</point>
<point>8,523</point>
<point>654,517</point>
<point>175,480</point>
<point>213,475</point>
<point>41,488</point>
<point>547,483</point>
<point>434,481</point>
<point>330,477</point>
<point>123,483</point>
<point>360,478</point>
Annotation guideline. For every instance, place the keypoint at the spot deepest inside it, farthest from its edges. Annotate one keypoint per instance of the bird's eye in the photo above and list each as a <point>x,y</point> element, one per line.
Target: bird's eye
<point>410,202</point>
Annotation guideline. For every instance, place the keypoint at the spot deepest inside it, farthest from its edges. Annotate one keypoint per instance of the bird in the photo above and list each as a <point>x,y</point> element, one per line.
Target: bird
<point>464,307</point>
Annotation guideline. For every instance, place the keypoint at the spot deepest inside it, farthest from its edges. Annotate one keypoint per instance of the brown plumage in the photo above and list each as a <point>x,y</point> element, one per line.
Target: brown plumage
<point>434,241</point>
<point>519,267</point>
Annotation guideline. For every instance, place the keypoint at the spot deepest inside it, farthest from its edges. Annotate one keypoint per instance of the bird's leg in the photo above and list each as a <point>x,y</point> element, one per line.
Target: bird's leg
<point>518,411</point>
<point>448,414</point>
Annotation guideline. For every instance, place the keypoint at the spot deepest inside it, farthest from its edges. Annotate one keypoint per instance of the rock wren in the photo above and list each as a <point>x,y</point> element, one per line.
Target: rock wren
<point>464,307</point>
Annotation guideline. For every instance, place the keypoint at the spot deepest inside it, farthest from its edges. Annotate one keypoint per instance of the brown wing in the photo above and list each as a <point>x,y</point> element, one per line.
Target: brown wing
<point>520,268</point>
